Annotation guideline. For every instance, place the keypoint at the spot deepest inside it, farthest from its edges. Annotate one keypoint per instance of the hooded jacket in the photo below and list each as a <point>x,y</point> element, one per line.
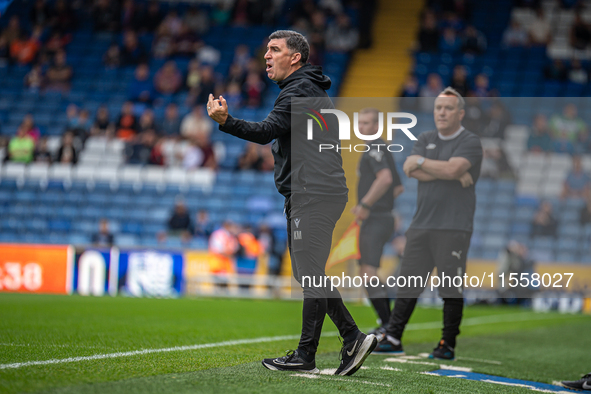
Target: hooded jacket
<point>301,169</point>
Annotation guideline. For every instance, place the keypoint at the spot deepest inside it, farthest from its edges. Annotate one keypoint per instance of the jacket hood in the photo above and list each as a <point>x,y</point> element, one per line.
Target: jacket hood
<point>308,71</point>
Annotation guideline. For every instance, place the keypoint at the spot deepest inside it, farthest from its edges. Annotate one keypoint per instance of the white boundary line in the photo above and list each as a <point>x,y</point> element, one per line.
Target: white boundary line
<point>416,326</point>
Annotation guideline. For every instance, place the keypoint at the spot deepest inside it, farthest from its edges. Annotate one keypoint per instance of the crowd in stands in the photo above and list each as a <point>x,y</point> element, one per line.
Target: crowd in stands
<point>562,133</point>
<point>148,32</point>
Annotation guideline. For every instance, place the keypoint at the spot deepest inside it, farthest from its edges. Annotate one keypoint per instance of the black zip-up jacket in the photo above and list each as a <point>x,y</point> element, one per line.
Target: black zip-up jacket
<point>301,169</point>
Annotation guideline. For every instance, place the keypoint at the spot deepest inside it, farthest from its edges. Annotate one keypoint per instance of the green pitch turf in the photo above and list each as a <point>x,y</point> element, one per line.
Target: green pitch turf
<point>509,342</point>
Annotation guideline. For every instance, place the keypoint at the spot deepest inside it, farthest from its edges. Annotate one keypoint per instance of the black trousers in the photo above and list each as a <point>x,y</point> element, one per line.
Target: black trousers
<point>310,225</point>
<point>426,249</point>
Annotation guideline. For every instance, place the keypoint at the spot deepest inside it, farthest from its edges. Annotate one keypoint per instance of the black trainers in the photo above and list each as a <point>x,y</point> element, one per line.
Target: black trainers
<point>582,384</point>
<point>443,351</point>
<point>389,345</point>
<point>380,333</point>
<point>292,361</point>
<point>353,354</point>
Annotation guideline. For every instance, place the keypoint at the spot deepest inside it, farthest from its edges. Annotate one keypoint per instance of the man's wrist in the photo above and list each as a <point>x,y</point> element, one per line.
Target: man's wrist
<point>364,205</point>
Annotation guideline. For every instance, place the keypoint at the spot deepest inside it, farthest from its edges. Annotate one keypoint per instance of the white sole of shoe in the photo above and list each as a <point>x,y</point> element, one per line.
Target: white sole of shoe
<point>365,350</point>
<point>274,368</point>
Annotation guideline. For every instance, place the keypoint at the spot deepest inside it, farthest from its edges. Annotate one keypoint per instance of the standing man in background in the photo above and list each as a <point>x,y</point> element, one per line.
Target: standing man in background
<point>379,184</point>
<point>314,186</point>
<point>446,161</point>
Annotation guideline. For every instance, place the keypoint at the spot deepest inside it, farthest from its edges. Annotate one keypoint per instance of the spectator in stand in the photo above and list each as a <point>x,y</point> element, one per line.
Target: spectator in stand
<point>171,124</point>
<point>112,58</point>
<point>495,164</point>
<point>40,14</point>
<point>481,86</point>
<point>63,18</point>
<point>196,20</point>
<point>13,30</point>
<point>585,216</point>
<point>556,71</point>
<point>141,88</point>
<point>580,33</point>
<point>193,77</point>
<point>60,73</point>
<point>241,56</point>
<point>539,29</point>
<point>147,122</point>
<point>72,114</point>
<point>21,147</point>
<point>450,42</point>
<point>272,248</point>
<point>544,223</point>
<point>474,42</point>
<point>208,55</point>
<point>459,80</point>
<point>35,79</point>
<point>105,15</point>
<point>251,158</point>
<point>152,17</point>
<point>200,154</point>
<point>132,52</point>
<point>268,163</point>
<point>497,120</point>
<point>163,44</point>
<point>67,153</point>
<point>57,42</point>
<point>233,95</point>
<point>82,129</point>
<point>577,74</point>
<point>179,223</point>
<point>127,123</point>
<point>568,125</point>
<point>515,35</point>
<point>30,128</point>
<point>207,84</point>
<point>186,43</point>
<point>341,36</point>
<point>172,22</point>
<point>428,33</point>
<point>576,184</point>
<point>131,16</point>
<point>317,33</point>
<point>141,149</point>
<point>24,49</point>
<point>224,245</point>
<point>103,238</point>
<point>102,125</point>
<point>433,87</point>
<point>539,139</point>
<point>203,227</point>
<point>236,74</point>
<point>195,123</point>
<point>168,79</point>
<point>42,154</point>
<point>253,90</point>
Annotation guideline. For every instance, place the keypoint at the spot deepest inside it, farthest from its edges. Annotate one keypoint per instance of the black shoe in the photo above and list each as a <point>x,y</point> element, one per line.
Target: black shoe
<point>388,346</point>
<point>582,384</point>
<point>443,351</point>
<point>380,333</point>
<point>292,361</point>
<point>353,354</point>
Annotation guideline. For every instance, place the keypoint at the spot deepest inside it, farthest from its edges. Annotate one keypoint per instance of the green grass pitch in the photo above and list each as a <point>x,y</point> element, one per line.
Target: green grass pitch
<point>503,341</point>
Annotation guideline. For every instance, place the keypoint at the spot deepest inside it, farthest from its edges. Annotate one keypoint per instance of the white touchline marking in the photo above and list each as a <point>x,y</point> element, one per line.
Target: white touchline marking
<point>403,361</point>
<point>479,360</point>
<point>415,326</point>
<point>455,368</point>
<point>389,368</point>
<point>328,371</point>
<point>303,375</point>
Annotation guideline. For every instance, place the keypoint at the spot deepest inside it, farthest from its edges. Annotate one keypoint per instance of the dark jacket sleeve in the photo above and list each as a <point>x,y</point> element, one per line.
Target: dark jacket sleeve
<point>277,123</point>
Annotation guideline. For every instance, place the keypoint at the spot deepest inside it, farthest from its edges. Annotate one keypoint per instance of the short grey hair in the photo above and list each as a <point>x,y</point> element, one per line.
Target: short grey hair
<point>372,111</point>
<point>449,91</point>
<point>295,42</point>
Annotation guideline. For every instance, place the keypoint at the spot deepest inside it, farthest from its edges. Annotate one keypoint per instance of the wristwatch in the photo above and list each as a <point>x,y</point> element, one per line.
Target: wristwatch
<point>420,162</point>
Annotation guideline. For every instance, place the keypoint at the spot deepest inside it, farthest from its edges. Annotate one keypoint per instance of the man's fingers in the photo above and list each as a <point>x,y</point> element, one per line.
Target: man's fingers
<point>224,103</point>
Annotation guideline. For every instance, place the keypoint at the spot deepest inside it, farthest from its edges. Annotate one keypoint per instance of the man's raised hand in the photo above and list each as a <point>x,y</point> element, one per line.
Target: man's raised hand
<point>217,109</point>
